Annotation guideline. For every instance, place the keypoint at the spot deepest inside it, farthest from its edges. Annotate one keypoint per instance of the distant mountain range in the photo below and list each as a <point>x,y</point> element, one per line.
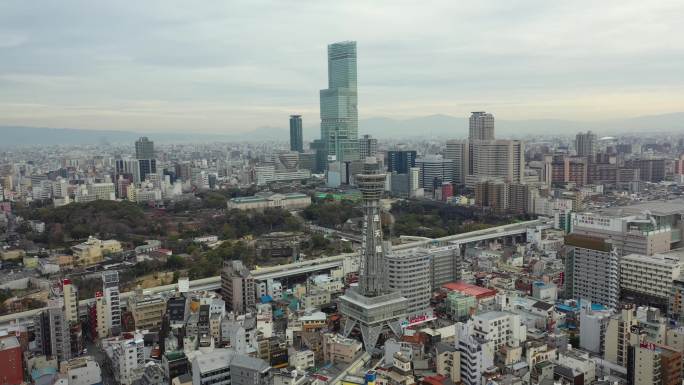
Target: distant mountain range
<point>457,127</point>
<point>433,126</point>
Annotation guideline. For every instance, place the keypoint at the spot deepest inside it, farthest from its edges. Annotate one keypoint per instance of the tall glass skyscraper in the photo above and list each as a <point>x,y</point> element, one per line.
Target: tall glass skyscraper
<point>339,113</point>
<point>296,140</point>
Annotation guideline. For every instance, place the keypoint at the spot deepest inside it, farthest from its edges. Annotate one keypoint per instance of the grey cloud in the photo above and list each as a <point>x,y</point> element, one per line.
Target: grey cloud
<point>253,61</point>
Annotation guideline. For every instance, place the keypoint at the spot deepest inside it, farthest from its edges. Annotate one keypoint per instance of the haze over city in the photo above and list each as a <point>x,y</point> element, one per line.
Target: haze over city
<point>230,67</point>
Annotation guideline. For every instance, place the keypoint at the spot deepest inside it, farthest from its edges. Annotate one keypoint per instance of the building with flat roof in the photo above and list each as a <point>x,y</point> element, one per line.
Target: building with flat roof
<point>478,292</point>
<point>237,287</point>
<point>500,328</point>
<point>148,310</point>
<point>11,361</point>
<point>592,270</point>
<point>648,279</point>
<point>627,233</point>
<point>261,201</point>
<point>408,272</point>
<point>296,137</point>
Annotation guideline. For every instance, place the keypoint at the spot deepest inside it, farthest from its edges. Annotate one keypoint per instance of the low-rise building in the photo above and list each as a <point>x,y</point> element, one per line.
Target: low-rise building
<point>291,201</point>
<point>147,310</point>
<point>339,349</point>
<point>82,371</point>
<point>93,251</point>
<point>11,361</point>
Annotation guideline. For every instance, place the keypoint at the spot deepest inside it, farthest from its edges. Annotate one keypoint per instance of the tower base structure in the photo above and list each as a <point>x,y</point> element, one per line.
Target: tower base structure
<point>372,315</point>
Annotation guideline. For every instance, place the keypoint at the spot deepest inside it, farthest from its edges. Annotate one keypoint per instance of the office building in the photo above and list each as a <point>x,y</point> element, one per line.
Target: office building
<point>147,167</point>
<point>586,144</point>
<point>144,154</point>
<point>368,146</point>
<point>144,148</point>
<point>237,287</point>
<point>592,270</point>
<point>339,109</point>
<point>459,153</point>
<point>481,126</point>
<point>296,133</point>
<point>648,279</point>
<point>408,272</point>
<point>434,170</point>
<point>400,161</point>
<point>371,306</point>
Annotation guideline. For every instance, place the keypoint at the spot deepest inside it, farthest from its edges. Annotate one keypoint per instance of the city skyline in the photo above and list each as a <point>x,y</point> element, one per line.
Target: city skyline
<point>161,67</point>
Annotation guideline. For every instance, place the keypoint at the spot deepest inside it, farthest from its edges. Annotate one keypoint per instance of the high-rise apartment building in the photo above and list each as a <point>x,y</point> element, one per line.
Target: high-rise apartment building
<point>296,133</point>
<point>481,126</point>
<point>496,159</point>
<point>618,334</point>
<point>339,109</point>
<point>237,287</point>
<point>586,144</point>
<point>70,294</point>
<point>52,331</point>
<point>108,305</point>
<point>368,146</point>
<point>592,270</point>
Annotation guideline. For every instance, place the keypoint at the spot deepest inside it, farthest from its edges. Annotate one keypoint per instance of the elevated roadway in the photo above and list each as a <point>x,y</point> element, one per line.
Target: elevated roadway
<point>511,231</point>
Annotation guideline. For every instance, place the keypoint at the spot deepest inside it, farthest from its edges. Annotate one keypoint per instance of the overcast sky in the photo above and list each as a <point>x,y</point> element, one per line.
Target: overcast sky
<point>233,65</point>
